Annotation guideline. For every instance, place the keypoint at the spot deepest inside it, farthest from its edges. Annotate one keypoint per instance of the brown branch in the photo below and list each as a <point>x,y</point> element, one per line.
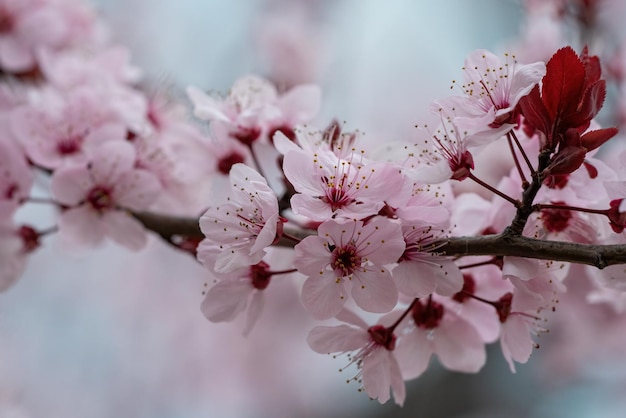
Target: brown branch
<point>596,255</point>
<point>492,245</point>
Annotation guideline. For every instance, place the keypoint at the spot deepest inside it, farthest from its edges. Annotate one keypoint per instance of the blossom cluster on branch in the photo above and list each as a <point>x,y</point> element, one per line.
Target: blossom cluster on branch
<point>373,231</point>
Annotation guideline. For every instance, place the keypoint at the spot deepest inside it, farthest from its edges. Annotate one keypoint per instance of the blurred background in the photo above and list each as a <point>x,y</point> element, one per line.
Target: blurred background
<point>112,333</point>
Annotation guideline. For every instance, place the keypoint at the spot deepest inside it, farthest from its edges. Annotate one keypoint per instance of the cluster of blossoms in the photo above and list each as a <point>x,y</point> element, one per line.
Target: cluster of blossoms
<point>371,234</point>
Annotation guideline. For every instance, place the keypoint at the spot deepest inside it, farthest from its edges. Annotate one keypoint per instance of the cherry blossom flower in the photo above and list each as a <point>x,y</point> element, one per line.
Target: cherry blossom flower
<point>16,178</point>
<point>374,355</point>
<point>349,256</point>
<point>58,131</point>
<point>433,328</point>
<point>31,25</point>
<point>420,271</point>
<point>245,225</point>
<point>333,187</point>
<point>242,289</point>
<point>16,243</point>
<point>98,195</point>
<point>253,108</point>
<point>492,89</point>
<point>521,314</point>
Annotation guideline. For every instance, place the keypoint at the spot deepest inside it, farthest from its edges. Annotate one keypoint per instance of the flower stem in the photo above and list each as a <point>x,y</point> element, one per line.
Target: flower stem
<point>506,197</point>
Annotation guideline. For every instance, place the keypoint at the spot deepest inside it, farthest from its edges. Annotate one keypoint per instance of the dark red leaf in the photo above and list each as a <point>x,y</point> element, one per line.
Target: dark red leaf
<point>593,71</point>
<point>593,139</point>
<point>563,83</point>
<point>566,161</point>
<point>534,112</point>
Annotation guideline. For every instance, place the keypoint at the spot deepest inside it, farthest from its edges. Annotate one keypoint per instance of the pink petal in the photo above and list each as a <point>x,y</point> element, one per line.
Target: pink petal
<point>137,190</point>
<point>459,346</point>
<point>374,290</point>
<point>227,299</point>
<point>15,56</point>
<point>338,339</point>
<point>413,353</point>
<point>516,343</point>
<point>413,279</point>
<point>323,295</point>
<point>254,311</point>
<point>312,256</point>
<point>125,230</point>
<point>71,185</point>
<point>81,227</point>
<point>112,161</point>
<point>301,103</point>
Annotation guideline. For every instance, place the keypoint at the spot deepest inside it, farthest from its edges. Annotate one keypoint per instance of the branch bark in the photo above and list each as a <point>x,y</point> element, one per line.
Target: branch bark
<point>511,245</point>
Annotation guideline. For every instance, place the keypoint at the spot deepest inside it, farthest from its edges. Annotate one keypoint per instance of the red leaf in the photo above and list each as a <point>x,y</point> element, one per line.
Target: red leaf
<point>593,139</point>
<point>534,112</point>
<point>566,161</point>
<point>593,71</point>
<point>563,83</point>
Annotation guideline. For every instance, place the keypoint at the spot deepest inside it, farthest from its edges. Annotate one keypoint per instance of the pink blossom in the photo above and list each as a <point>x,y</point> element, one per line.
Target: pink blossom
<point>16,243</point>
<point>521,313</point>
<point>433,328</point>
<point>253,108</point>
<point>444,154</point>
<point>244,226</point>
<point>242,110</point>
<point>179,155</point>
<point>58,131</point>
<point>420,271</point>
<point>349,256</point>
<point>333,187</point>
<point>31,25</point>
<point>492,89</point>
<point>98,195</point>
<point>16,178</point>
<point>239,290</point>
<point>373,347</point>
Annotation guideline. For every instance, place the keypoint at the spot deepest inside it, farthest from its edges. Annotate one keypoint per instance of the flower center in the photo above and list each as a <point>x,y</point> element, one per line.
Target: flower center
<point>345,260</point>
<point>427,316</point>
<point>260,275</point>
<point>7,22</point>
<point>382,336</point>
<point>100,198</point>
<point>227,162</point>
<point>336,193</point>
<point>69,145</point>
<point>556,220</point>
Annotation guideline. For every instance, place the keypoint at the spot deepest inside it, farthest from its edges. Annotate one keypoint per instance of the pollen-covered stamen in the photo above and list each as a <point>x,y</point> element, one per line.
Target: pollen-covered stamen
<point>428,315</point>
<point>100,198</point>
<point>419,241</point>
<point>491,84</point>
<point>345,259</point>
<point>344,182</point>
<point>252,222</point>
<point>451,145</point>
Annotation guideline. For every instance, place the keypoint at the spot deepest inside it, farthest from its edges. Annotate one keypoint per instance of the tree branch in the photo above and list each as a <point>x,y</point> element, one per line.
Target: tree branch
<point>505,244</point>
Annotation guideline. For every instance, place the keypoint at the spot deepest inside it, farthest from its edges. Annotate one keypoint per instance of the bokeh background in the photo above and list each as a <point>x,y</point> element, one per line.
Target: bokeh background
<point>115,334</point>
